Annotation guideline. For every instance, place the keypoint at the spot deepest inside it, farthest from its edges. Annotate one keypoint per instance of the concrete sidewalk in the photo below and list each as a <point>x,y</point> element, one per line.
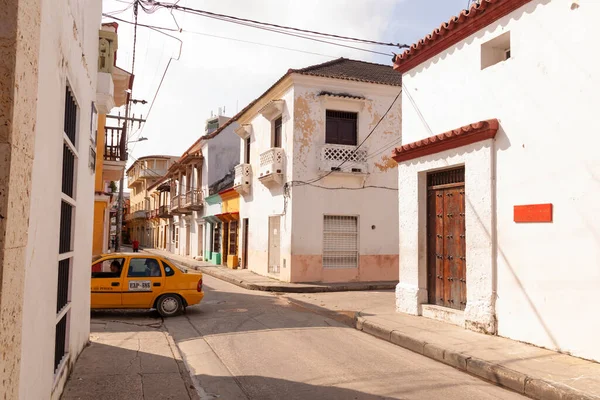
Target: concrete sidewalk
<point>129,359</point>
<point>251,281</point>
<point>526,369</point>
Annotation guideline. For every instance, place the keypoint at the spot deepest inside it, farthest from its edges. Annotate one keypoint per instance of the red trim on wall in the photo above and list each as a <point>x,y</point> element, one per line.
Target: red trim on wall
<point>455,30</point>
<point>463,136</point>
<point>533,213</point>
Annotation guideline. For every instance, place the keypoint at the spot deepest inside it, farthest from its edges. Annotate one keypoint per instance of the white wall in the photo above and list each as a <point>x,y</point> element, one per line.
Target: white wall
<point>222,153</point>
<point>374,206</point>
<point>68,33</point>
<point>263,201</point>
<point>545,97</point>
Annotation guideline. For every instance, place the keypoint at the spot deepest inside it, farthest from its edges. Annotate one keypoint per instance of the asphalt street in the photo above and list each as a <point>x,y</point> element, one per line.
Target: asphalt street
<point>242,344</point>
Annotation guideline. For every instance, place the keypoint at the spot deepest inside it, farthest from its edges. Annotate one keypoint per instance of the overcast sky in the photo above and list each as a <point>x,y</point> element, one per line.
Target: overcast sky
<point>229,73</point>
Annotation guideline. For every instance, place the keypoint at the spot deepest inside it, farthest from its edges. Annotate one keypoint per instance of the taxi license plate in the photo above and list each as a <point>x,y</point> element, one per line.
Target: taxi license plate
<point>138,286</point>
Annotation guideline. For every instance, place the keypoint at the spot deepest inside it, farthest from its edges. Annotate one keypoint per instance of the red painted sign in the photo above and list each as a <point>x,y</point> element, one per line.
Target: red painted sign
<point>533,213</point>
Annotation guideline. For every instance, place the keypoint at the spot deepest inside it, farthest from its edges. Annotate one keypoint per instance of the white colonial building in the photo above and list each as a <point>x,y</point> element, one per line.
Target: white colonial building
<point>182,198</point>
<point>317,185</point>
<point>51,93</point>
<point>499,173</point>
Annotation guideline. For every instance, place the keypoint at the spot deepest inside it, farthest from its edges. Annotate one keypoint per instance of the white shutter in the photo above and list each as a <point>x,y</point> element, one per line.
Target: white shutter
<point>340,241</point>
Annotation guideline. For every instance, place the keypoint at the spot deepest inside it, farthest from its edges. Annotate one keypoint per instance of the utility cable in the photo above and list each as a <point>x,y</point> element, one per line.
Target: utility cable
<point>234,19</point>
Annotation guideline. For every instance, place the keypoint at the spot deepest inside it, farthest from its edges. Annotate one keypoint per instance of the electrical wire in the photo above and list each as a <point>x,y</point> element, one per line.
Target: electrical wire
<point>361,143</point>
<point>133,23</point>
<point>260,44</point>
<point>230,18</point>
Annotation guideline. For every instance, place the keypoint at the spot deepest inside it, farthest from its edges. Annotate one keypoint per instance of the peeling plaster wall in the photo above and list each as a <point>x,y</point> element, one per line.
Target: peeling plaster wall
<point>19,48</point>
<point>375,207</point>
<point>68,52</point>
<point>263,201</point>
<point>545,97</point>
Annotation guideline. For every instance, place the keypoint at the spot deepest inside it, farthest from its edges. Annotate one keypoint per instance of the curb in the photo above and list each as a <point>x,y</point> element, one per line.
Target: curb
<point>286,289</point>
<point>539,389</point>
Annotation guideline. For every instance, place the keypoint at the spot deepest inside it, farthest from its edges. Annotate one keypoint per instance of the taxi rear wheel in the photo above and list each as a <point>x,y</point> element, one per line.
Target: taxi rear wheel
<point>169,305</point>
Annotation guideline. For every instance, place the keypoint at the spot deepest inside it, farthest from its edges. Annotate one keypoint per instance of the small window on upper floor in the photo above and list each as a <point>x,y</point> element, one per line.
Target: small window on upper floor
<point>277,125</point>
<point>495,51</point>
<point>341,127</point>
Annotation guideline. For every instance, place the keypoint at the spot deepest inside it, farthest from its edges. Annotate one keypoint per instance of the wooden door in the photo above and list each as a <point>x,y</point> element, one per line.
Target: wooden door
<point>274,242</point>
<point>245,244</point>
<point>446,245</point>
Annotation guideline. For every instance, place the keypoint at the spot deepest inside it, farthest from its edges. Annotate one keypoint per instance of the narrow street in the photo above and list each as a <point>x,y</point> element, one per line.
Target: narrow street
<point>242,344</point>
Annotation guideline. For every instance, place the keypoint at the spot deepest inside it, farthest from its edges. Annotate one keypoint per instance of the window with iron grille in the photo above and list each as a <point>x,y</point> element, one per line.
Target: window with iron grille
<point>340,241</point>
<point>70,116</point>
<point>341,127</point>
<point>60,341</point>
<point>67,209</point>
<point>233,237</point>
<point>62,294</point>
<point>68,171</point>
<point>66,220</point>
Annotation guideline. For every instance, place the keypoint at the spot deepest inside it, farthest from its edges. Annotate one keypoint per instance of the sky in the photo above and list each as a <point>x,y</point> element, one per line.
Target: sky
<point>212,72</point>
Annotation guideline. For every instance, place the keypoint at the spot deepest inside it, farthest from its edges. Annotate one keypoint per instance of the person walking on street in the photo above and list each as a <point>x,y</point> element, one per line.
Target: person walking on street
<point>136,246</point>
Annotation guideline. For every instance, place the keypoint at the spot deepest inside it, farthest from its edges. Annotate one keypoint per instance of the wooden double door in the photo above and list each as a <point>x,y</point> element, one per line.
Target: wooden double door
<point>446,247</point>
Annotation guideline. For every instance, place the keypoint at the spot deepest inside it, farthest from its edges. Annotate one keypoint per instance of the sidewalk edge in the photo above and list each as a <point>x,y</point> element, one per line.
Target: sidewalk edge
<point>535,388</point>
<point>281,289</point>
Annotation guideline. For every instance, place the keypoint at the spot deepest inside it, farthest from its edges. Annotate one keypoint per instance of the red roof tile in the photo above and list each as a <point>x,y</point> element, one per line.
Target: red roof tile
<point>462,136</point>
<point>477,17</point>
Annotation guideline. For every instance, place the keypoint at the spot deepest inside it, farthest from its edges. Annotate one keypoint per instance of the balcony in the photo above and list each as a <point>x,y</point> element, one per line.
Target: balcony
<point>243,178</point>
<point>139,215</point>
<point>114,154</point>
<point>271,166</point>
<point>193,201</point>
<point>354,161</point>
<point>151,173</point>
<point>175,204</point>
<point>164,212</point>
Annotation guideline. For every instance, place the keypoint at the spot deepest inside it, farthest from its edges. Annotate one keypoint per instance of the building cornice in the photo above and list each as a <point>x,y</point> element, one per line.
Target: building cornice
<point>462,136</point>
<point>458,28</point>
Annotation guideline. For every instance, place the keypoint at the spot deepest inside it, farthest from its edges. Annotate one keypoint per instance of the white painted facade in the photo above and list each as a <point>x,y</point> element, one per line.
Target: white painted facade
<point>532,282</point>
<point>68,56</point>
<point>219,156</point>
<point>303,112</point>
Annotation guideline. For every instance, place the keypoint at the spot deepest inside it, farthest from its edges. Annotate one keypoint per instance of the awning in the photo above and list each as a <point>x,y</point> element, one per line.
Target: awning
<point>228,217</point>
<point>212,219</point>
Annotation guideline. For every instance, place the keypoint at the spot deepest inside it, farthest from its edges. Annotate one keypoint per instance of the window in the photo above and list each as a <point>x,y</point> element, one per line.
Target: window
<point>247,151</point>
<point>341,127</point>
<point>495,51</point>
<point>143,267</point>
<point>216,248</point>
<point>277,132</point>
<point>233,237</point>
<point>110,268</point>
<point>340,241</point>
<point>66,226</point>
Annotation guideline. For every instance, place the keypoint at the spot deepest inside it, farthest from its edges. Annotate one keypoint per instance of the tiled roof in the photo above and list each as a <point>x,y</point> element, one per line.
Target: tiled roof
<point>462,136</point>
<point>341,68</point>
<point>353,70</point>
<point>477,17</point>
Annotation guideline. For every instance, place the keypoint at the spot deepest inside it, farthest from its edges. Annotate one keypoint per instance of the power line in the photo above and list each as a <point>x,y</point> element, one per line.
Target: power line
<point>133,23</point>
<point>260,44</point>
<point>234,19</point>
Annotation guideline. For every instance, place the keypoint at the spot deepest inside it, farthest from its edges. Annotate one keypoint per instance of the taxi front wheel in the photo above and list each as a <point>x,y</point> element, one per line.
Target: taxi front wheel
<point>169,305</point>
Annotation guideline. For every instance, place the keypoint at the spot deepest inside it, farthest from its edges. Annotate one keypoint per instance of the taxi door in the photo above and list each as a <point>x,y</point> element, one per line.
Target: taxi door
<point>106,284</point>
<point>143,281</point>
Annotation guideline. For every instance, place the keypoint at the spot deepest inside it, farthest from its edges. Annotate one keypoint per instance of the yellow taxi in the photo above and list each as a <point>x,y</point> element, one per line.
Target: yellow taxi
<point>134,280</point>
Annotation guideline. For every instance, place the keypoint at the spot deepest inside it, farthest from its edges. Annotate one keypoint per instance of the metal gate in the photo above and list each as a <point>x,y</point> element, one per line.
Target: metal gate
<point>446,244</point>
<point>274,243</point>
